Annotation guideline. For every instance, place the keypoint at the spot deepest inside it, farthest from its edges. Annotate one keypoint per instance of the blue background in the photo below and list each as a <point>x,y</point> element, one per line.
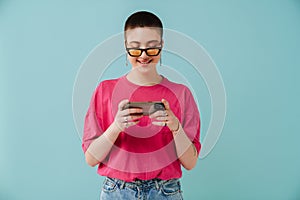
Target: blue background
<point>254,44</point>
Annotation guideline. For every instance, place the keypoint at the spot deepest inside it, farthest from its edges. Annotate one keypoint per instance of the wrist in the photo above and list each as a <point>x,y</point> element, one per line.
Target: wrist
<point>115,127</point>
<point>175,131</point>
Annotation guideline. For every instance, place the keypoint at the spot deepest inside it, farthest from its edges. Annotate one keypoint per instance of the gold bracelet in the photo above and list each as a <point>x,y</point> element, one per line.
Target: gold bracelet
<point>175,131</point>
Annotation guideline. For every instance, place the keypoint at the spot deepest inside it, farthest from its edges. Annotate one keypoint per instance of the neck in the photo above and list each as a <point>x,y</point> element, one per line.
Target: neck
<point>144,79</point>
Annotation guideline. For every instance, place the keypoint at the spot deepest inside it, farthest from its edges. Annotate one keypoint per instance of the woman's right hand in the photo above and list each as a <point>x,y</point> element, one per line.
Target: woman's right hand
<point>127,117</point>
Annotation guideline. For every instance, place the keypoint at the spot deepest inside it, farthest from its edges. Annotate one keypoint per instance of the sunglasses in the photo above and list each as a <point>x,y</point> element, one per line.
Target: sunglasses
<point>137,52</point>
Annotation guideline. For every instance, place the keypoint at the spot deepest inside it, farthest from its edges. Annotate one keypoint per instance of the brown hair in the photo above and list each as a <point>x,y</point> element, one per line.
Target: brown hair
<point>143,19</point>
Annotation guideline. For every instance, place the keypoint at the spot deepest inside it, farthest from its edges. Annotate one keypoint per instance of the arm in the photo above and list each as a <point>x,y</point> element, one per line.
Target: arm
<point>185,149</point>
<point>93,155</point>
<point>101,146</point>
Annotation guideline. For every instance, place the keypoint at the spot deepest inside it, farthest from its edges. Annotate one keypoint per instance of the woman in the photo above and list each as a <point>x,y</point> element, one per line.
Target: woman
<point>141,154</point>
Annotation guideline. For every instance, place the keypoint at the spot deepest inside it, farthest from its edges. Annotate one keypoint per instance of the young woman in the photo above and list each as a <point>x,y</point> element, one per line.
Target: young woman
<point>141,153</point>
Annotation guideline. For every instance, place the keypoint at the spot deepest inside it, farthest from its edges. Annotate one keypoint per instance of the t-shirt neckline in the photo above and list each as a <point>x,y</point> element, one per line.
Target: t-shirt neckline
<point>164,79</point>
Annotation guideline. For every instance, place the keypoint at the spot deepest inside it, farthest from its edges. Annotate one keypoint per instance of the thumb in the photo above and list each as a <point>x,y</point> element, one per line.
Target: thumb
<point>122,104</point>
<point>166,104</point>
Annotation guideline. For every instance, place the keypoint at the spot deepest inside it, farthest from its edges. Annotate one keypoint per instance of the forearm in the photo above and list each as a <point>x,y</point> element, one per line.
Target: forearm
<point>186,151</point>
<point>100,147</point>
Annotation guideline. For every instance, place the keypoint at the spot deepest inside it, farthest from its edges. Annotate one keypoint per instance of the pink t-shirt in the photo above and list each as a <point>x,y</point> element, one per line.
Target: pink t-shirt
<point>143,151</point>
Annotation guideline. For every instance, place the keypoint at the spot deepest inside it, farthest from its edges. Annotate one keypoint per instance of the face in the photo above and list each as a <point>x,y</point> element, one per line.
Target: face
<point>142,38</point>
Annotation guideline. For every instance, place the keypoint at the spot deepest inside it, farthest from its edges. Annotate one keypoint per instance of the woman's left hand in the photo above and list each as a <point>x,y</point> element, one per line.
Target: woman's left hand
<point>165,117</point>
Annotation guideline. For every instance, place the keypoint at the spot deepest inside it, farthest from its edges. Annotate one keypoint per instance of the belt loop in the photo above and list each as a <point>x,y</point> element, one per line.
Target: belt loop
<point>156,184</point>
<point>139,192</point>
<point>122,185</point>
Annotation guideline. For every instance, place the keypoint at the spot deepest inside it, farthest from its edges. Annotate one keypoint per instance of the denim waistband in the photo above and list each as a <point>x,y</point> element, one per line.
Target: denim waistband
<point>141,183</point>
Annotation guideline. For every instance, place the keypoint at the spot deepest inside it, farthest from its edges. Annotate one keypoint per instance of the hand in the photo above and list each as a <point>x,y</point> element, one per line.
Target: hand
<point>165,117</point>
<point>127,117</point>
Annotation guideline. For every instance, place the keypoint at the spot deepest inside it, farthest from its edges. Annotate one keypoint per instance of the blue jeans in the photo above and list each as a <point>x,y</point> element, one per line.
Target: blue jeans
<point>155,189</point>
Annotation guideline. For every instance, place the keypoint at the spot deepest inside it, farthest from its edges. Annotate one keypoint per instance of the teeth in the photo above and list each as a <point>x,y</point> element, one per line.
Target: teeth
<point>145,62</point>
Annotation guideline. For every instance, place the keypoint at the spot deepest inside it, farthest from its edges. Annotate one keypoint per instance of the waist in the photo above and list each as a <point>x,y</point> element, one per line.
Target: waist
<point>138,183</point>
<point>166,173</point>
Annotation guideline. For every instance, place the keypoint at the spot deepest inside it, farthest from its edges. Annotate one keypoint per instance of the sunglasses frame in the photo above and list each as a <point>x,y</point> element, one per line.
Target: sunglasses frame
<point>144,50</point>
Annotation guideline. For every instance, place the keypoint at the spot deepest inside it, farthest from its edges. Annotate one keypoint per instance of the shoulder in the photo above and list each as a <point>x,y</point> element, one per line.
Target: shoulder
<point>178,87</point>
<point>107,84</point>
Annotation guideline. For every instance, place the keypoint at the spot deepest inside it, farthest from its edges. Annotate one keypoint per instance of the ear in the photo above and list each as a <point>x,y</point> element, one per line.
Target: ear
<point>162,43</point>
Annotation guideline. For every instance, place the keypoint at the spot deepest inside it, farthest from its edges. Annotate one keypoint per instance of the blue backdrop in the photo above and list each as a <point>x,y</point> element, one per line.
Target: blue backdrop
<point>254,44</point>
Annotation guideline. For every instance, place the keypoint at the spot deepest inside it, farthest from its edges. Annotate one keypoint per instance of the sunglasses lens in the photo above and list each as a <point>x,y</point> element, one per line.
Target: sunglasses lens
<point>134,52</point>
<point>152,52</point>
<point>138,52</point>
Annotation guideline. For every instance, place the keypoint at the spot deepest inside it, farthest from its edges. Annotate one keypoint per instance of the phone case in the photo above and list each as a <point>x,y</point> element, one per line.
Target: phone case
<point>148,107</point>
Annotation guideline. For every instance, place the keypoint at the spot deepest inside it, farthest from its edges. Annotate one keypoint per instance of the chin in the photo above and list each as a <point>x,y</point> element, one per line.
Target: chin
<point>145,68</point>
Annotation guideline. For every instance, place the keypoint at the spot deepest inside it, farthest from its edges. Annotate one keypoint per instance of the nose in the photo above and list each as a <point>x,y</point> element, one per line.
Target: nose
<point>144,55</point>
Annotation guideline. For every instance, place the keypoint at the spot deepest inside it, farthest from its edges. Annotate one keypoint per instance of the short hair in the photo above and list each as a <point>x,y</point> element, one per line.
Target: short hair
<point>143,19</point>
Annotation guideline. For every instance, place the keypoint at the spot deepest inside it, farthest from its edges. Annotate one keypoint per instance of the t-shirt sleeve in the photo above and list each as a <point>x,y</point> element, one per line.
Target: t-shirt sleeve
<point>92,124</point>
<point>191,120</point>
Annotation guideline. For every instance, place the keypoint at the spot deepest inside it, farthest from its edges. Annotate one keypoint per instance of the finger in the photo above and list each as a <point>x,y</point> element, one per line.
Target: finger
<point>131,111</point>
<point>122,104</point>
<point>159,113</point>
<point>166,104</point>
<point>131,118</point>
<point>135,111</point>
<point>160,123</point>
<point>162,118</point>
<point>123,119</point>
<point>132,123</point>
<point>135,117</point>
<point>123,113</point>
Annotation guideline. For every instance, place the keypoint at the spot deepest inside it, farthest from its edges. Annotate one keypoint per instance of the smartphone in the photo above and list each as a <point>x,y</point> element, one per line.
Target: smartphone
<point>148,107</point>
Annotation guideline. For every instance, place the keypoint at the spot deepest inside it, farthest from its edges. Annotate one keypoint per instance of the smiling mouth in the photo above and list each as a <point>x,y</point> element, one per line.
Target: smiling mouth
<point>144,62</point>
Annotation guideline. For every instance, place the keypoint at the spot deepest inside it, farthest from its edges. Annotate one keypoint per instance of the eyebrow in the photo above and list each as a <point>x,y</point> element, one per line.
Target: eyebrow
<point>151,41</point>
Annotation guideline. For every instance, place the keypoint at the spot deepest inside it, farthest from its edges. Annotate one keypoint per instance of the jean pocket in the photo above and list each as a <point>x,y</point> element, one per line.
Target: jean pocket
<point>171,187</point>
<point>109,185</point>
